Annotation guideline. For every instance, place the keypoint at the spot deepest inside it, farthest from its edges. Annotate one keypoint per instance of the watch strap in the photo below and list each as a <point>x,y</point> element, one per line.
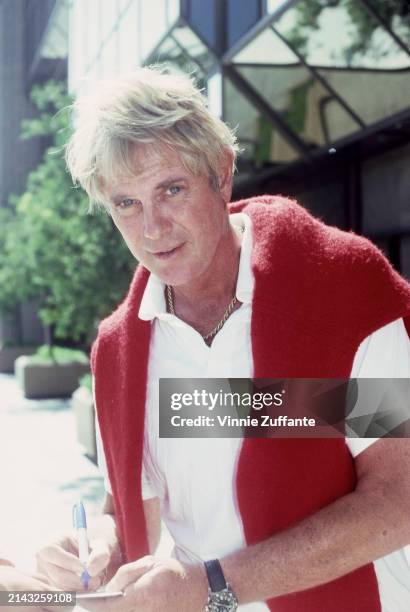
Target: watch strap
<point>215,575</point>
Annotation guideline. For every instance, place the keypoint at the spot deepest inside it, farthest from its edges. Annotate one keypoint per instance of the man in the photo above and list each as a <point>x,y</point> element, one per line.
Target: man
<point>255,289</point>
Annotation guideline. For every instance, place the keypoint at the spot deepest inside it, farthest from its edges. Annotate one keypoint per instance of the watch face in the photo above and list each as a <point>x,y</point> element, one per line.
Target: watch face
<point>224,604</point>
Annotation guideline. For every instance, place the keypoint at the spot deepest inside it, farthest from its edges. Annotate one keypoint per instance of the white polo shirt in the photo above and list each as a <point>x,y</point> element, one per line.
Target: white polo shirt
<point>194,478</point>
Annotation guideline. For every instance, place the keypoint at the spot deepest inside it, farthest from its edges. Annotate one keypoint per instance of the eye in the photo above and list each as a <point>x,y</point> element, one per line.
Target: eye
<point>126,203</point>
<point>174,190</point>
<point>127,207</point>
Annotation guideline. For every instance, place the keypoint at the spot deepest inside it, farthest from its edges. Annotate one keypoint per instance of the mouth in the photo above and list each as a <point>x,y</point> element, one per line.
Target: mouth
<point>167,254</point>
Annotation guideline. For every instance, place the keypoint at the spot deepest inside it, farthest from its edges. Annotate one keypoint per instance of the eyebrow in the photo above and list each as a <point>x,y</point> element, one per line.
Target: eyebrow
<point>170,181</point>
<point>118,197</point>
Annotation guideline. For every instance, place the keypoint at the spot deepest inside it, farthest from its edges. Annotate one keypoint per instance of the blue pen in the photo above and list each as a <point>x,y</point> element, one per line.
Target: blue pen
<point>80,523</point>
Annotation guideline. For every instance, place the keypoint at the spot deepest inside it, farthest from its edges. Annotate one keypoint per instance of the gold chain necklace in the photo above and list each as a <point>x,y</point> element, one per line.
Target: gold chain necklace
<point>227,313</point>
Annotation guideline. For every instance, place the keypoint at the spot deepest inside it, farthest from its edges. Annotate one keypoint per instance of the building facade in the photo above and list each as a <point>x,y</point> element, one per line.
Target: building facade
<point>317,90</point>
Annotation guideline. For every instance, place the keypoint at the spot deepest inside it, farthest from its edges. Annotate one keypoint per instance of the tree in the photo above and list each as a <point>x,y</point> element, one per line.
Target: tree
<point>74,263</point>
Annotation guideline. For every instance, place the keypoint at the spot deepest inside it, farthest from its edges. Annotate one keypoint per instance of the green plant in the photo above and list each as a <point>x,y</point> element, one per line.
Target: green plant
<point>75,264</point>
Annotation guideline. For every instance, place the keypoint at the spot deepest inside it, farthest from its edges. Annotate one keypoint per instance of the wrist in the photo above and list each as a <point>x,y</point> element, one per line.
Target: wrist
<point>221,596</point>
<point>196,576</point>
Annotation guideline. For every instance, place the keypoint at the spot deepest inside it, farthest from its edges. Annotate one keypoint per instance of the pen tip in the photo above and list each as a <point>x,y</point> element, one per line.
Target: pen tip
<point>85,579</point>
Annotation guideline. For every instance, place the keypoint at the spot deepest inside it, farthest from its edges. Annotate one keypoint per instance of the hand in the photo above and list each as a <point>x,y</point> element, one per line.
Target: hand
<point>152,584</point>
<point>60,563</point>
<point>12,579</point>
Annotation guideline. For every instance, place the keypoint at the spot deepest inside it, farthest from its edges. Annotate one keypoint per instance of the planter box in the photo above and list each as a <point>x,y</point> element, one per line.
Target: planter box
<point>44,380</point>
<point>8,356</point>
<point>84,411</point>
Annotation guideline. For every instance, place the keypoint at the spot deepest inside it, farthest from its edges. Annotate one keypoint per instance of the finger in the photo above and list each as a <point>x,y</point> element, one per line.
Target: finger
<point>54,554</point>
<point>38,583</point>
<point>69,581</point>
<point>129,573</point>
<point>99,557</point>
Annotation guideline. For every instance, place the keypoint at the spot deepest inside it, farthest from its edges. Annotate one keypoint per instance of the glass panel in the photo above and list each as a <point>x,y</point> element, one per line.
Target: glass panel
<point>374,95</point>
<point>152,24</point>
<point>266,48</point>
<point>302,102</point>
<point>194,47</point>
<point>397,15</point>
<point>256,135</point>
<point>343,35</point>
<point>335,122</point>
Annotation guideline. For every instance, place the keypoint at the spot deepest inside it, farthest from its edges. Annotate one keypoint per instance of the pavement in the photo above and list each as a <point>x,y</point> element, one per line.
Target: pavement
<point>43,473</point>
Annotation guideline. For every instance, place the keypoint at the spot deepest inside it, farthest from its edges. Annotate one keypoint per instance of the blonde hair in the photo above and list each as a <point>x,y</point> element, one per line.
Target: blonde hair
<point>147,106</point>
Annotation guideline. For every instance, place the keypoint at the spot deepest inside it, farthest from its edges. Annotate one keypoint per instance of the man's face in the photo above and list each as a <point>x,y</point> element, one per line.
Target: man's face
<point>172,221</point>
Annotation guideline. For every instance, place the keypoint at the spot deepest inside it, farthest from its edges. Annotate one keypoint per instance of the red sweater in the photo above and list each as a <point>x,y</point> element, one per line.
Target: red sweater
<point>318,293</point>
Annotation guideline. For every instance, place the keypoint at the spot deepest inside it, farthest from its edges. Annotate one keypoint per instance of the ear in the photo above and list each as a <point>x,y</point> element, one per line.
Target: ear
<point>225,176</point>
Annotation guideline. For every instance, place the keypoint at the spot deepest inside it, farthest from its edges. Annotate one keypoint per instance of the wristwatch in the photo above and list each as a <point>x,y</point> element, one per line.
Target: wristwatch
<point>221,597</point>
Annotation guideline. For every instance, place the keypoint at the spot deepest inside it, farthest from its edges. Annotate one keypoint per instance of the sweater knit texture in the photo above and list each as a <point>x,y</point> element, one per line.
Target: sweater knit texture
<point>318,293</point>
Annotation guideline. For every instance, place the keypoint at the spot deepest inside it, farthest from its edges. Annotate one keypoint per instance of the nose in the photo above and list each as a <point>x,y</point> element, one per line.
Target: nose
<point>154,223</point>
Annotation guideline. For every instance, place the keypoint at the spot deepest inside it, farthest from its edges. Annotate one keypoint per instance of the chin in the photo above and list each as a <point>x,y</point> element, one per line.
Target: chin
<point>176,278</point>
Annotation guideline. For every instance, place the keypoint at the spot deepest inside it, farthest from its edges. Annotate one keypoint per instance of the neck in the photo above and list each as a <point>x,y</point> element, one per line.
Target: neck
<point>216,286</point>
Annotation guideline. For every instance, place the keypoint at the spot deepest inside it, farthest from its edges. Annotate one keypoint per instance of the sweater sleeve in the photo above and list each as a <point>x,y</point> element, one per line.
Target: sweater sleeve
<point>382,295</point>
<point>147,488</point>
